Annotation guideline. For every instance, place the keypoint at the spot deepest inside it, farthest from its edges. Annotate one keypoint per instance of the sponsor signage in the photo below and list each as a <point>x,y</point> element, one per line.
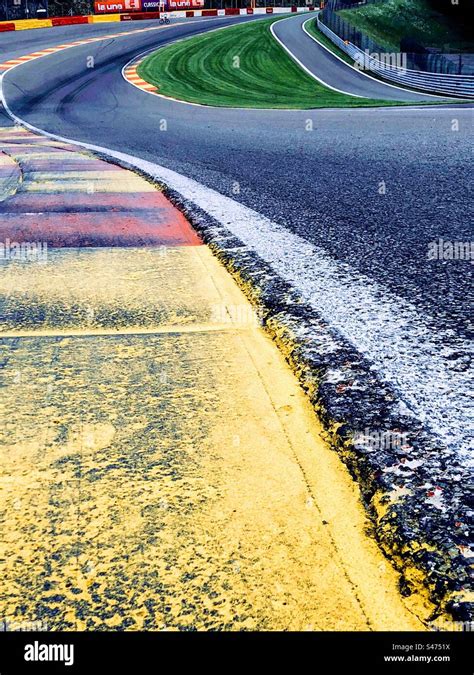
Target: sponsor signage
<point>105,7</point>
<point>185,4</point>
<point>117,6</point>
<point>153,5</point>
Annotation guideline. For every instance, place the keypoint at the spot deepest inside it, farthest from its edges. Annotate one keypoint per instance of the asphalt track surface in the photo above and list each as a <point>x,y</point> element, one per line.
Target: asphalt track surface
<point>320,62</point>
<point>370,187</point>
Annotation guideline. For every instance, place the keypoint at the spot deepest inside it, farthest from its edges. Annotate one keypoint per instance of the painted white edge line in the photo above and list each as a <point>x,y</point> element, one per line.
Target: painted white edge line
<point>307,70</point>
<point>373,79</point>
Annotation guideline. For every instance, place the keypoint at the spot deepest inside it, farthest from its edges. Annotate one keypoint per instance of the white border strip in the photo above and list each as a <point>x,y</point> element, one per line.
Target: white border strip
<point>307,70</point>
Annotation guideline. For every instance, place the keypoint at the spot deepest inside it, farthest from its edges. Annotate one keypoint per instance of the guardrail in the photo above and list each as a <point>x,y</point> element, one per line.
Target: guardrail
<point>434,83</point>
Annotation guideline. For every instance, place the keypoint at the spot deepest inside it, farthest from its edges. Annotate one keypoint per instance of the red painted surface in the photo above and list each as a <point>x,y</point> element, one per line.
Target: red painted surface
<point>6,27</point>
<point>29,202</point>
<point>139,16</point>
<point>68,20</point>
<point>67,209</point>
<point>156,227</point>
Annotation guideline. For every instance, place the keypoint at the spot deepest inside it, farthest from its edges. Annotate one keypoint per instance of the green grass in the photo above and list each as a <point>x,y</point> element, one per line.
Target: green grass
<point>389,21</point>
<point>242,66</point>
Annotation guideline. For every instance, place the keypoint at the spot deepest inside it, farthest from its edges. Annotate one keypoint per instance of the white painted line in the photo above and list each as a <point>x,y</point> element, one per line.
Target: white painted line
<point>307,70</point>
<point>373,79</point>
<point>386,329</point>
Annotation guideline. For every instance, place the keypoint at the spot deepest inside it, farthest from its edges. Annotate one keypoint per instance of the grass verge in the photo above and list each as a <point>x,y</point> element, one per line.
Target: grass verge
<point>242,66</point>
<point>388,21</point>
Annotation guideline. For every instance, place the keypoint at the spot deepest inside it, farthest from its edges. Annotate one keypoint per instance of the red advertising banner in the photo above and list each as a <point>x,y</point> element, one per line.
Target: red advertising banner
<point>106,7</point>
<point>103,7</point>
<point>185,4</point>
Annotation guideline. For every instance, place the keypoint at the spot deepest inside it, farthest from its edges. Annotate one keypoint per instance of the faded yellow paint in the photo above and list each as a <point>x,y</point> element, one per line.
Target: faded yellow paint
<point>103,18</point>
<point>28,24</point>
<point>5,160</point>
<point>161,468</point>
<point>99,182</point>
<point>171,479</point>
<point>10,177</point>
<point>16,132</point>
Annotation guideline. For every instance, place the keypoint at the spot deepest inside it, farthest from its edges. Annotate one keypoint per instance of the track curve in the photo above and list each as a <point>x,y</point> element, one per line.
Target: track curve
<point>335,72</point>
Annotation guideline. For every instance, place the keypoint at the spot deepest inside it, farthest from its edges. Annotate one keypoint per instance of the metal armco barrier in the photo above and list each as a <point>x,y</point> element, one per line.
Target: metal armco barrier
<point>434,83</point>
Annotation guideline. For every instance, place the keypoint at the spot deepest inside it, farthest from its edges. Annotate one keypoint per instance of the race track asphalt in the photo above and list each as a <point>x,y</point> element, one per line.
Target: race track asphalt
<point>332,71</point>
<point>371,187</point>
